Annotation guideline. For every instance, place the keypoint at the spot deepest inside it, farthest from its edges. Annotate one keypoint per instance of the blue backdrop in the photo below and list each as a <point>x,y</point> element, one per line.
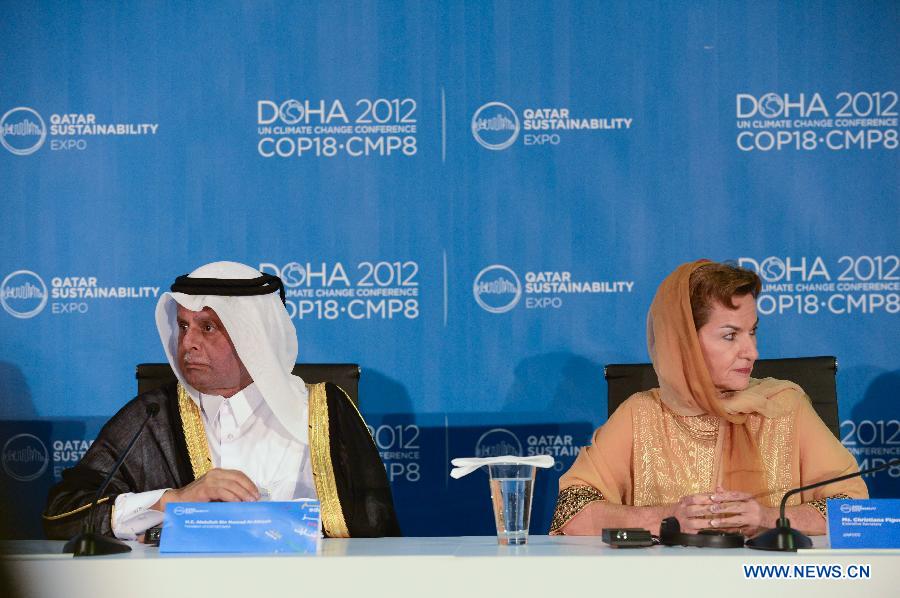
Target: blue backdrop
<point>473,200</point>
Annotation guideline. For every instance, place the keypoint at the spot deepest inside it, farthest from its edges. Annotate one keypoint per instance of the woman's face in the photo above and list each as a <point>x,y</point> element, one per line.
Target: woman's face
<point>728,342</point>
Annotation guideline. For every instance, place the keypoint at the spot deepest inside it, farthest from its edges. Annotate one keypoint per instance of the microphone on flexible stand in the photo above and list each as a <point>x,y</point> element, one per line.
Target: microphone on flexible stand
<point>785,538</point>
<point>88,542</point>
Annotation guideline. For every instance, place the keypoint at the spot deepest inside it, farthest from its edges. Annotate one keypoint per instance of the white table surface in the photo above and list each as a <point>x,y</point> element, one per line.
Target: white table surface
<point>454,566</point>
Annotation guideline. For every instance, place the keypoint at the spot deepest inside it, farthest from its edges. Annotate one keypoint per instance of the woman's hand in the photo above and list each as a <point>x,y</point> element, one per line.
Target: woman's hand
<point>731,509</point>
<point>723,509</point>
<point>693,511</point>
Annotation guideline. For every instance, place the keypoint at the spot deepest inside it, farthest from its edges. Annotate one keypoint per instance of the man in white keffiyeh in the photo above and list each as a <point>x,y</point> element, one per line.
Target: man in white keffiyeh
<point>238,426</point>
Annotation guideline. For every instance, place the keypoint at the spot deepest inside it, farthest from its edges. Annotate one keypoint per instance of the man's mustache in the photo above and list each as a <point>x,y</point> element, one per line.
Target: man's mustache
<point>189,360</point>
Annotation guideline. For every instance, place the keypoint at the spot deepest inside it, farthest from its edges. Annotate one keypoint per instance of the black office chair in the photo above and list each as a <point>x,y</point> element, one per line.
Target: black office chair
<point>346,375</point>
<point>815,375</point>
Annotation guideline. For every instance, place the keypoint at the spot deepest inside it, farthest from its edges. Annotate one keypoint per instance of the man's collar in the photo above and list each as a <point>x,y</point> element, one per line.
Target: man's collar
<point>248,400</point>
<point>242,403</point>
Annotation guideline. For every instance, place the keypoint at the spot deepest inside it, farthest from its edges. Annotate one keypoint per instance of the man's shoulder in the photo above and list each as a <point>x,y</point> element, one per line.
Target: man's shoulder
<point>164,397</point>
<point>330,390</point>
<point>334,403</point>
<point>336,393</point>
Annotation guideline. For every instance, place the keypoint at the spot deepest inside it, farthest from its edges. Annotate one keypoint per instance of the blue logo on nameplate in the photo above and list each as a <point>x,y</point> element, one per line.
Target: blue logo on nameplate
<point>873,523</point>
<point>261,527</point>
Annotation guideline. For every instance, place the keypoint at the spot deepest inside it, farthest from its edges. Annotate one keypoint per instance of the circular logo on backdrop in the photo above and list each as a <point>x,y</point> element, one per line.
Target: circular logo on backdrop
<point>24,457</point>
<point>22,131</point>
<point>495,126</point>
<point>772,269</point>
<point>23,294</point>
<point>498,442</point>
<point>293,274</point>
<point>291,112</point>
<point>771,105</point>
<point>497,289</point>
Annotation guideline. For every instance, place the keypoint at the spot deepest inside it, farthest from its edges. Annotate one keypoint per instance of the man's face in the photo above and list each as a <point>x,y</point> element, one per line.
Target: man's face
<point>206,355</point>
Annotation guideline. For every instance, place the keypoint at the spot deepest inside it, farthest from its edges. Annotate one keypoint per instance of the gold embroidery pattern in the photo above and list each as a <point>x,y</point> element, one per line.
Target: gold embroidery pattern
<point>821,505</point>
<point>776,441</point>
<point>699,427</point>
<point>323,470</point>
<point>73,511</point>
<point>673,456</point>
<point>569,503</point>
<point>194,434</point>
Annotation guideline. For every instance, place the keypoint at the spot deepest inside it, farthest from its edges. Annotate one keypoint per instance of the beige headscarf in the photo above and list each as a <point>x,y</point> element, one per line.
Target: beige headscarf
<point>686,387</point>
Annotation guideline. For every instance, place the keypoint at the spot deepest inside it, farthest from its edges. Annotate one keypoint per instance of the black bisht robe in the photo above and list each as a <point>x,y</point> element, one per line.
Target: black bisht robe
<point>172,451</point>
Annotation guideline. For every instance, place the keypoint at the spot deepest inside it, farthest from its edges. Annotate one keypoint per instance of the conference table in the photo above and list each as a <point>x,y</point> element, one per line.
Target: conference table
<point>454,566</point>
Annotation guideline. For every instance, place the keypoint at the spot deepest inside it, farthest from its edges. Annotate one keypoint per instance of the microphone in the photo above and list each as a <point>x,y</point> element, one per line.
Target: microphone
<point>785,538</point>
<point>88,542</point>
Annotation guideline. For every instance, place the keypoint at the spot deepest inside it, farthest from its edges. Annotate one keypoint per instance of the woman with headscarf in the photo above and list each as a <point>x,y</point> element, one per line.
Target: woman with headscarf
<point>711,446</point>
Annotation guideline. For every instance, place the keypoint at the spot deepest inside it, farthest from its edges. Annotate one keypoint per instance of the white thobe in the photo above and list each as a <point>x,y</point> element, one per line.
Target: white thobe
<point>245,435</point>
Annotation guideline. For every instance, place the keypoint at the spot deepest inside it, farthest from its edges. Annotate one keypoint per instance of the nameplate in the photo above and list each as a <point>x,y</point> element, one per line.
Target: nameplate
<point>250,527</point>
<point>872,523</point>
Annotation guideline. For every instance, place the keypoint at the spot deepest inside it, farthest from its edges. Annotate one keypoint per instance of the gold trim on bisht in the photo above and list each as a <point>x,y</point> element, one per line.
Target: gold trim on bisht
<point>194,434</point>
<point>821,504</point>
<point>323,470</point>
<point>569,503</point>
<point>73,511</point>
